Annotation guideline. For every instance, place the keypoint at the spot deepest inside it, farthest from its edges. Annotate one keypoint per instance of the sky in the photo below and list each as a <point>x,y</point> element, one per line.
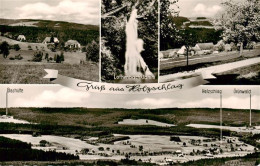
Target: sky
<point>78,11</point>
<point>59,96</point>
<point>199,8</point>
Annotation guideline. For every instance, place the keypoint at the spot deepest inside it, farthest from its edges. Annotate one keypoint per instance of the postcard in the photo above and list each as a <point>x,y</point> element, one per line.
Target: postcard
<point>129,82</point>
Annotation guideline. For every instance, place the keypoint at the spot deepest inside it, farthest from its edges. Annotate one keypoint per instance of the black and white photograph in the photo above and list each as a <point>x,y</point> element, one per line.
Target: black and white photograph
<point>48,34</point>
<point>55,126</point>
<point>218,38</point>
<point>129,41</point>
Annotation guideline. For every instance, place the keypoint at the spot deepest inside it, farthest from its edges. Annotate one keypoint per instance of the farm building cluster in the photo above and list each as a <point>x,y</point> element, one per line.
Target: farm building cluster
<point>70,44</point>
<point>201,49</point>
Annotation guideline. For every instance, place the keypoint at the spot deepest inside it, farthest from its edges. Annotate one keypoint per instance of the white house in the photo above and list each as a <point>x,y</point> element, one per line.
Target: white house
<point>204,46</point>
<point>182,51</point>
<point>21,38</point>
<point>72,44</point>
<point>48,40</point>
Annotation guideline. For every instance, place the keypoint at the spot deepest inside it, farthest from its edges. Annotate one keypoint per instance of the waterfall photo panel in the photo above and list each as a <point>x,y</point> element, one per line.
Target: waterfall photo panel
<point>129,41</point>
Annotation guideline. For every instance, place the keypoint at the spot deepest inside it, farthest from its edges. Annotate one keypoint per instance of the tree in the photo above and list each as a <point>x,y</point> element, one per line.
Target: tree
<point>5,49</point>
<point>92,51</point>
<point>37,57</point>
<point>52,39</point>
<point>58,59</point>
<point>188,39</point>
<point>55,58</point>
<point>46,56</point>
<point>240,22</point>
<point>168,29</point>
<point>62,57</point>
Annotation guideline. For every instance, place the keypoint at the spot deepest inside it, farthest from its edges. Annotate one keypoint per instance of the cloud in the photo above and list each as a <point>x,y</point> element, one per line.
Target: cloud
<point>236,102</point>
<point>79,11</point>
<point>229,102</point>
<point>64,97</point>
<point>151,103</point>
<point>203,10</point>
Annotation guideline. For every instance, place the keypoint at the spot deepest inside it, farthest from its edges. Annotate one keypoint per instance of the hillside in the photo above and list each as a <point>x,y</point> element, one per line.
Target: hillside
<point>201,28</point>
<point>35,31</point>
<point>184,22</point>
<point>47,23</point>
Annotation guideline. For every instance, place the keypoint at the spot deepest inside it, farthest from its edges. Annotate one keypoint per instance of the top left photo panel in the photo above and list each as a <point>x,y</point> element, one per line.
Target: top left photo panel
<point>62,35</point>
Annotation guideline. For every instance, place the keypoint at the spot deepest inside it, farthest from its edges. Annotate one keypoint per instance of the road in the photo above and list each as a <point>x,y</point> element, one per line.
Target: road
<point>223,56</point>
<point>208,71</point>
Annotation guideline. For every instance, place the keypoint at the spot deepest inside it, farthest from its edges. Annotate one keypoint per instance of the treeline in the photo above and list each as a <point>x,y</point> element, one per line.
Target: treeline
<point>176,36</point>
<point>98,131</point>
<point>14,150</point>
<point>38,34</point>
<point>254,158</point>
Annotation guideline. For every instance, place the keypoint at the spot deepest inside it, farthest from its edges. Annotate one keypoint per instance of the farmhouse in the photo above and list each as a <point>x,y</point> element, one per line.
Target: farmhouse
<point>72,44</point>
<point>204,46</point>
<point>21,38</point>
<point>48,40</point>
<point>182,51</point>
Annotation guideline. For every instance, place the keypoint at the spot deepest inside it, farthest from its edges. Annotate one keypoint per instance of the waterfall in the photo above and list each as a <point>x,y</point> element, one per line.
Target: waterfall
<point>134,63</point>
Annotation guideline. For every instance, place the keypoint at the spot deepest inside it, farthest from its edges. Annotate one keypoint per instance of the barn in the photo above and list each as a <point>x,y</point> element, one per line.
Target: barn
<point>204,46</point>
<point>21,38</point>
<point>72,44</point>
<point>48,40</point>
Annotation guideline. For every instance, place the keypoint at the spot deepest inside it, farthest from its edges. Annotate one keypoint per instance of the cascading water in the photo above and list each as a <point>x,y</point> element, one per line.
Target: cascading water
<point>134,63</point>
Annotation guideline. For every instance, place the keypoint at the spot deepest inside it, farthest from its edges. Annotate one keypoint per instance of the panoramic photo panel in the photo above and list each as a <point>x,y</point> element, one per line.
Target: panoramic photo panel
<point>53,125</point>
<point>219,39</point>
<point>61,35</point>
<point>129,41</point>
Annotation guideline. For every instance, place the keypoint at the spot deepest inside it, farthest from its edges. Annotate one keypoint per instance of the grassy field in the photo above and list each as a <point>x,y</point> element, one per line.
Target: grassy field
<point>33,73</point>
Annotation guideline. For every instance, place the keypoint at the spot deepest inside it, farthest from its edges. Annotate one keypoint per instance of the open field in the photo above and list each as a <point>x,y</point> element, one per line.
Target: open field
<point>154,148</point>
<point>144,122</point>
<point>34,72</point>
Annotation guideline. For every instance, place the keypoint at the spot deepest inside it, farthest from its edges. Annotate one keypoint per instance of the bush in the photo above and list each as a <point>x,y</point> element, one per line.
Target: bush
<point>4,49</point>
<point>101,149</point>
<point>92,52</point>
<point>29,47</point>
<point>37,57</point>
<point>12,58</point>
<point>17,47</point>
<point>18,57</point>
<point>44,143</point>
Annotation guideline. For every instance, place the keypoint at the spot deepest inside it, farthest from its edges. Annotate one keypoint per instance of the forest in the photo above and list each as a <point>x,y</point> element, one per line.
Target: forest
<point>14,150</point>
<point>38,34</point>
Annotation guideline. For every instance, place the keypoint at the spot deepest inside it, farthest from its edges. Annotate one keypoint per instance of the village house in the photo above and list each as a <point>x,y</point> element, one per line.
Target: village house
<point>48,40</point>
<point>21,38</point>
<point>72,44</point>
<point>204,46</point>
